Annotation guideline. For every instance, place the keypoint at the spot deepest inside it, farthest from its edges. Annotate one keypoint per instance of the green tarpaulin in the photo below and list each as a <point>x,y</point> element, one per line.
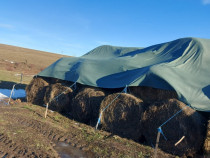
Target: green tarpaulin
<point>182,65</point>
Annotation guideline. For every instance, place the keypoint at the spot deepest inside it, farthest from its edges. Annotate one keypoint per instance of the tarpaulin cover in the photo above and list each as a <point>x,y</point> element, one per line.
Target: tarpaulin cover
<point>182,65</point>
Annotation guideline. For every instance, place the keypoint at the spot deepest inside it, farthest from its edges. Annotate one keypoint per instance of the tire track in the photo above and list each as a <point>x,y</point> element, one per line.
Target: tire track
<point>9,149</point>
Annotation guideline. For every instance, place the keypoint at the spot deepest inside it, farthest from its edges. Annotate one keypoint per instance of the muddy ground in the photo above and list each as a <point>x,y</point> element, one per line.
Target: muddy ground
<point>24,132</point>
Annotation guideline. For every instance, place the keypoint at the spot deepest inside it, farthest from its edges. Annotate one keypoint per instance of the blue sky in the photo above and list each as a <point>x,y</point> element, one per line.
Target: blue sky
<point>74,27</point>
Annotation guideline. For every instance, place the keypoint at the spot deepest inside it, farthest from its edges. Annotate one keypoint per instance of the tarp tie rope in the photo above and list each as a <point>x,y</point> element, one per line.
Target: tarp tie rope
<point>173,116</point>
<point>99,119</point>
<point>113,100</point>
<point>125,89</point>
<point>152,145</point>
<point>75,86</point>
<point>56,98</point>
<point>160,130</point>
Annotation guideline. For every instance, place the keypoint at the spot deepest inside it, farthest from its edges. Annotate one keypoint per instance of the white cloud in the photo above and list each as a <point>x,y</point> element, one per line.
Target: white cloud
<point>6,26</point>
<point>206,2</point>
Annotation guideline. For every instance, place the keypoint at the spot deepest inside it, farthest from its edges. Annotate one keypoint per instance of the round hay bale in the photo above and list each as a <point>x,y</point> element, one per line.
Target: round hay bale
<point>63,102</point>
<point>150,95</point>
<point>35,91</point>
<point>123,116</point>
<point>86,105</point>
<point>188,123</point>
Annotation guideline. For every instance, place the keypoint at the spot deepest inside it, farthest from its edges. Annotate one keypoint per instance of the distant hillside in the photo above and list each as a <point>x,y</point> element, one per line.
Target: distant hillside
<point>16,60</point>
<point>25,60</point>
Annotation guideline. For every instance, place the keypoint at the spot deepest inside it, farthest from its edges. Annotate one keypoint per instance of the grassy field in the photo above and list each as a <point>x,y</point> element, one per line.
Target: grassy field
<point>14,77</point>
<point>16,60</point>
<point>28,56</point>
<point>9,78</point>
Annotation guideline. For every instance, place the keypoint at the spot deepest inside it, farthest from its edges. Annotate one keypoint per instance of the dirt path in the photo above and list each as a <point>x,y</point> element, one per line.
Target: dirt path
<point>24,132</point>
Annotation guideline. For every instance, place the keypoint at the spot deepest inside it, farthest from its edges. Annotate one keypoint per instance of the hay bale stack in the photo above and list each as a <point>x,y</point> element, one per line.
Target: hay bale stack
<point>188,123</point>
<point>123,116</point>
<point>86,105</point>
<point>207,140</point>
<point>36,90</point>
<point>63,102</point>
<point>149,94</point>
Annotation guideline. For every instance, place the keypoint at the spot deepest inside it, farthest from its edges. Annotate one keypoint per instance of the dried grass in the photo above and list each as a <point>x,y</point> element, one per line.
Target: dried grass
<point>86,104</point>
<point>36,90</point>
<point>123,116</point>
<point>63,102</point>
<point>188,123</point>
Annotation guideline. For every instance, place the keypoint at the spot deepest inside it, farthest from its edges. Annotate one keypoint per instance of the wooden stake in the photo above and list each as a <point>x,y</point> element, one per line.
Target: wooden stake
<point>45,115</point>
<point>99,119</point>
<point>157,142</point>
<point>179,141</point>
<point>11,93</point>
<point>21,78</point>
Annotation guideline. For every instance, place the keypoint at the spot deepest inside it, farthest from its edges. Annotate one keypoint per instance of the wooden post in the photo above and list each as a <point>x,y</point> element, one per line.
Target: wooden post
<point>156,145</point>
<point>99,120</point>
<point>11,93</point>
<point>45,115</point>
<point>21,78</point>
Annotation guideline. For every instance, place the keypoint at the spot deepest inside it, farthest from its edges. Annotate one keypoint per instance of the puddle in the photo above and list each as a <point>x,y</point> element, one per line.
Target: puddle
<point>17,93</point>
<point>67,151</point>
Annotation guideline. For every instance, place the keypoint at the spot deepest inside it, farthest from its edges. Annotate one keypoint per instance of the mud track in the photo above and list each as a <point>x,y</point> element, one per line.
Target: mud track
<point>24,132</point>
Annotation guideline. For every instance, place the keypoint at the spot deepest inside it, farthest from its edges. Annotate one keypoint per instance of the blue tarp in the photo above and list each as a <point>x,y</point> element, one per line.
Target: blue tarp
<point>182,65</point>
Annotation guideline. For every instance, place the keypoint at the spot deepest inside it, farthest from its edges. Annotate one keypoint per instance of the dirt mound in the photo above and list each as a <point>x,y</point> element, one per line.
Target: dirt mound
<point>123,116</point>
<point>86,104</point>
<point>63,102</point>
<point>188,123</point>
<point>35,91</point>
<point>149,94</point>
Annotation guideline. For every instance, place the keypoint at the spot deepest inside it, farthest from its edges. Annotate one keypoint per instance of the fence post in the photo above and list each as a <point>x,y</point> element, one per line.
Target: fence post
<point>11,93</point>
<point>45,115</point>
<point>156,145</point>
<point>99,120</point>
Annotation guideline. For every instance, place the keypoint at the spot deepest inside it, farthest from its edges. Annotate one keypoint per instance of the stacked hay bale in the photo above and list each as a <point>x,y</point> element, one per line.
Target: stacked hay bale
<point>188,123</point>
<point>126,116</point>
<point>61,103</point>
<point>150,95</point>
<point>123,116</point>
<point>35,91</point>
<point>86,104</point>
<point>207,140</point>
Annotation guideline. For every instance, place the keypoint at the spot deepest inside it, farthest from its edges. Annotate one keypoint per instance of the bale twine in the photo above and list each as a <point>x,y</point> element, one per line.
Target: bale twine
<point>123,116</point>
<point>63,102</point>
<point>35,91</point>
<point>86,105</point>
<point>188,123</point>
<point>149,94</point>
